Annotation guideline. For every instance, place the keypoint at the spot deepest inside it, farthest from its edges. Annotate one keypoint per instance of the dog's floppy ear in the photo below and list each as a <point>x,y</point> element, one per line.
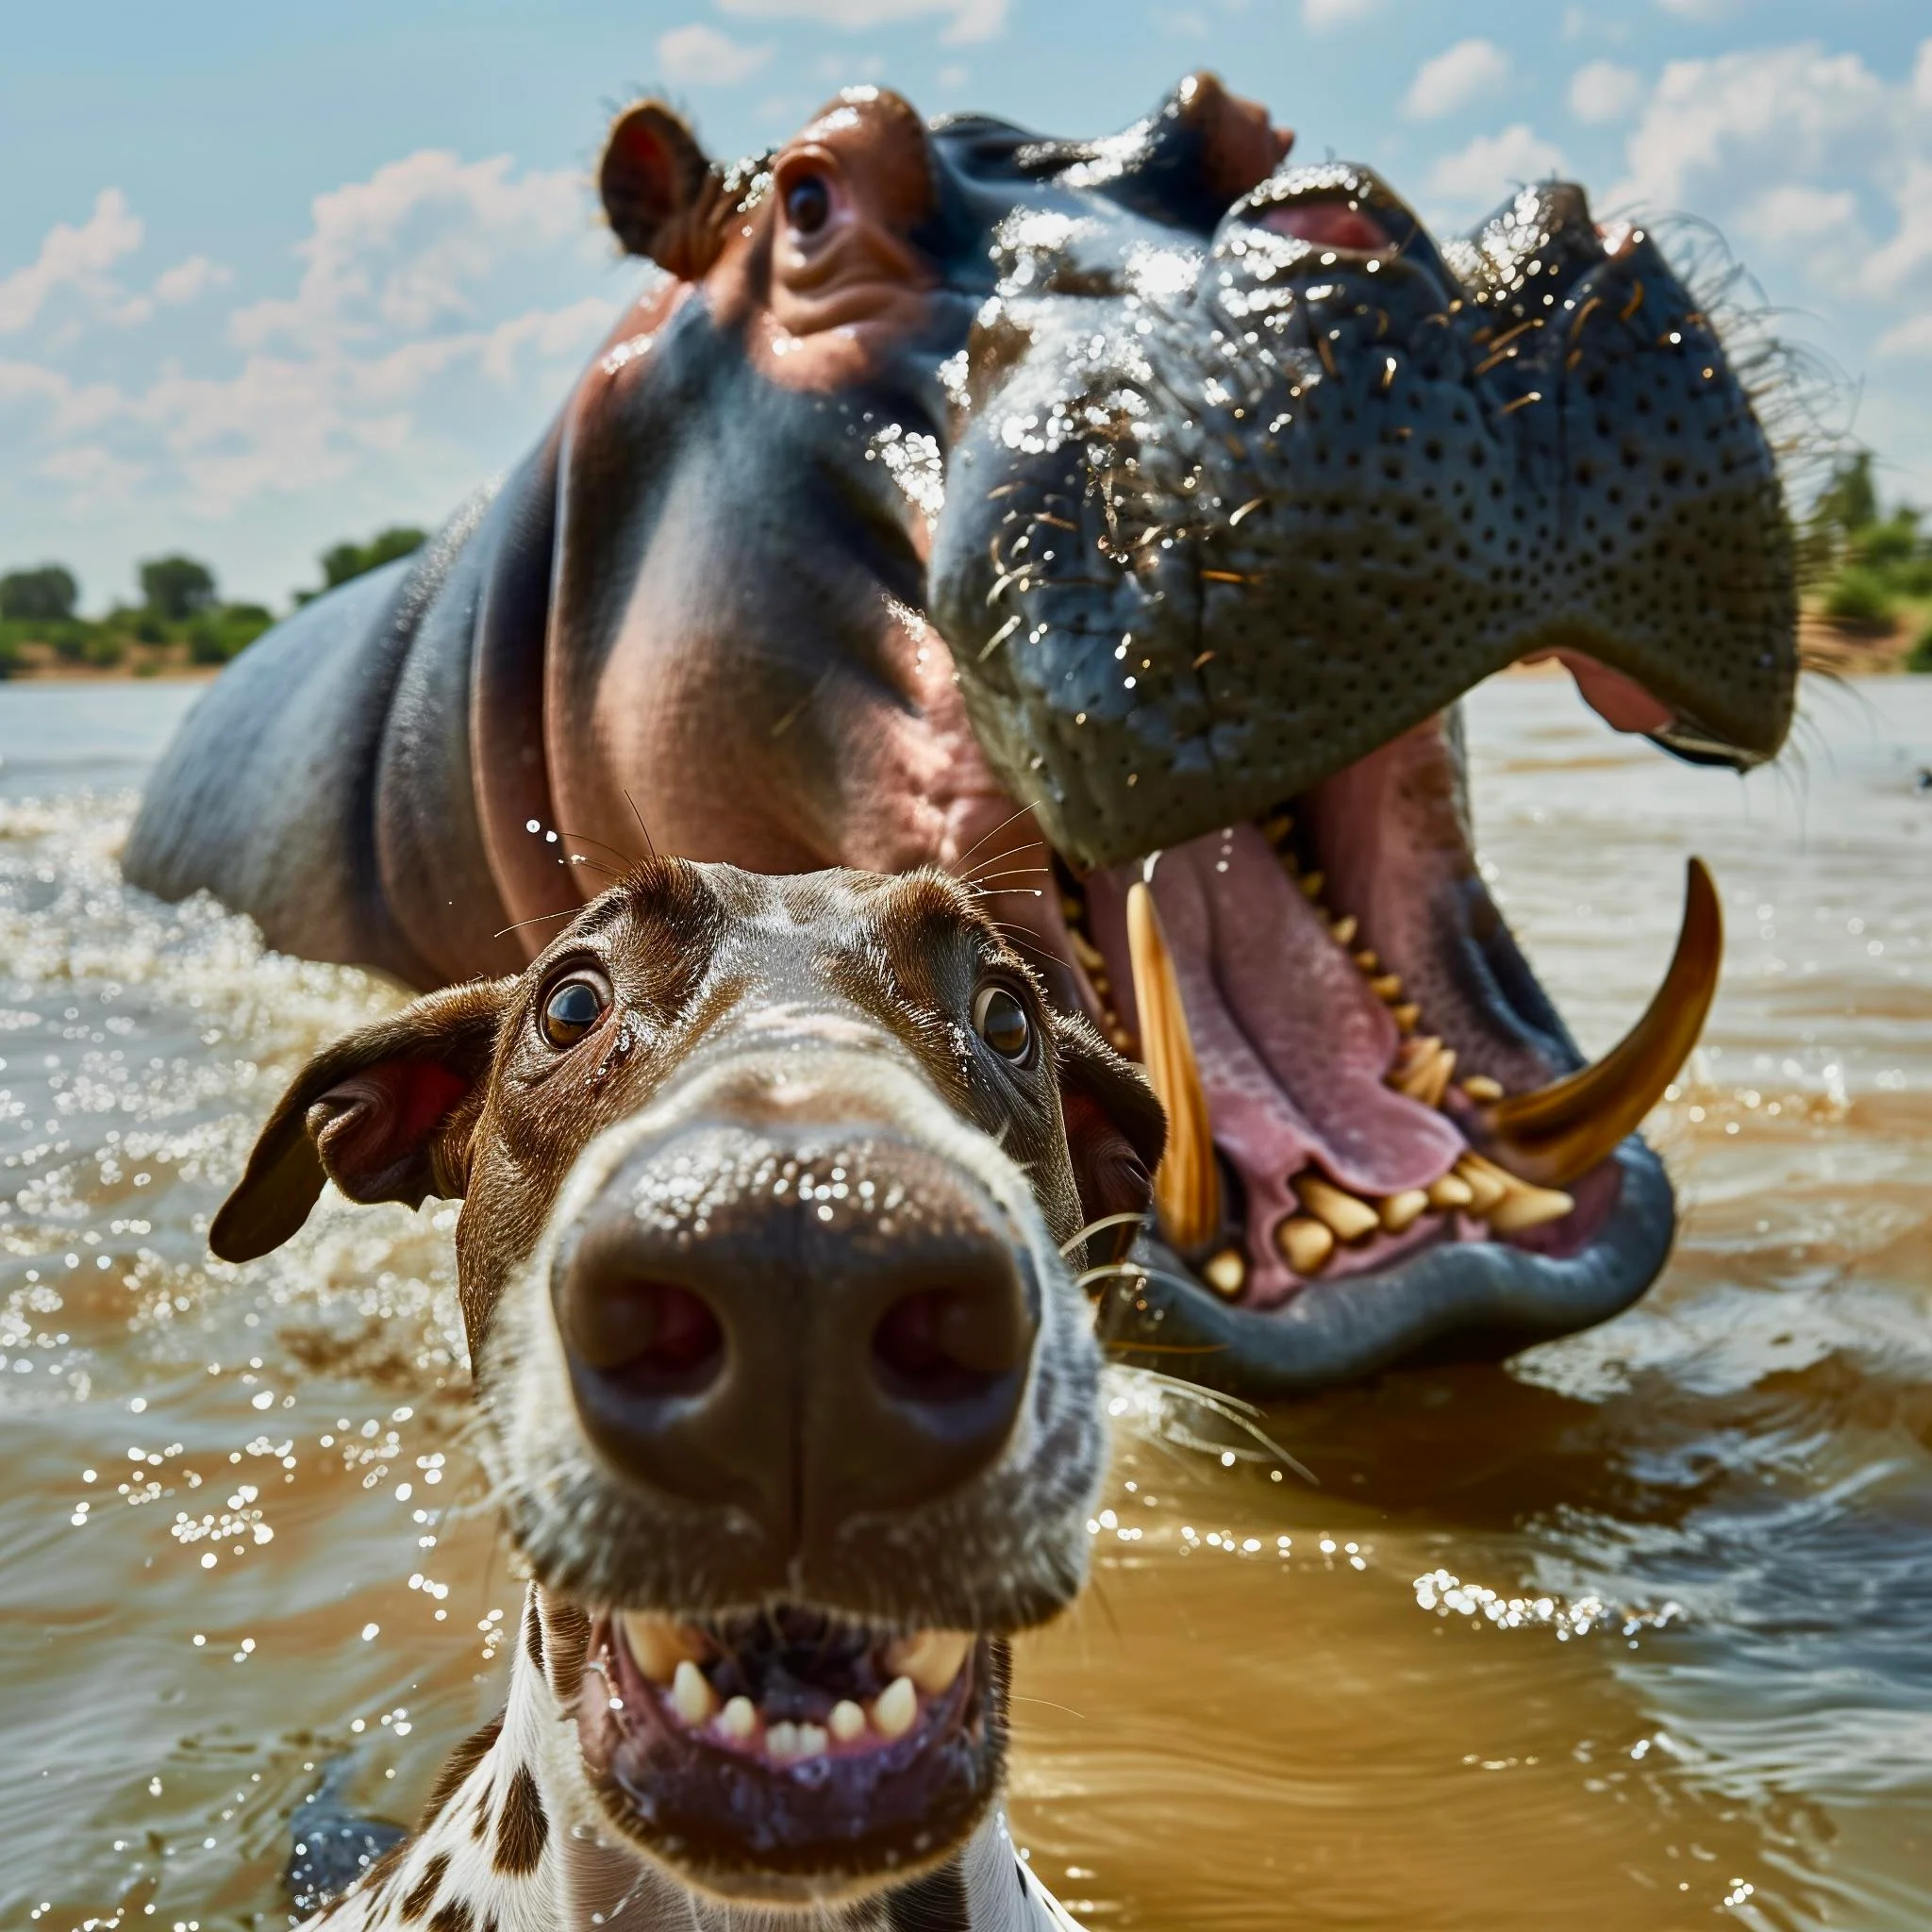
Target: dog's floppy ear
<point>385,1113</point>
<point>661,194</point>
<point>1115,1129</point>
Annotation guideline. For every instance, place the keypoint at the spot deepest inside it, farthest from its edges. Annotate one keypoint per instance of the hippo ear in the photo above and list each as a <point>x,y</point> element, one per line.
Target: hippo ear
<point>1115,1131</point>
<point>385,1113</point>
<point>661,195</point>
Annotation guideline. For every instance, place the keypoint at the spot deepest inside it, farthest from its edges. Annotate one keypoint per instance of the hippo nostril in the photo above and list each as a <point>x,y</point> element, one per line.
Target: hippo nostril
<point>942,1344</point>
<point>654,1337</point>
<point>1329,224</point>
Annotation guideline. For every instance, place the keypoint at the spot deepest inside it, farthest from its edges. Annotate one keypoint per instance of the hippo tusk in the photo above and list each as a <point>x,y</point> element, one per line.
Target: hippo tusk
<point>1562,1130</point>
<point>1186,1187</point>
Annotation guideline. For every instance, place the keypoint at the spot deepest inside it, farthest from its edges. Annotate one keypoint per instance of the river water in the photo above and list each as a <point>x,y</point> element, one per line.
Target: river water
<point>1634,1633</point>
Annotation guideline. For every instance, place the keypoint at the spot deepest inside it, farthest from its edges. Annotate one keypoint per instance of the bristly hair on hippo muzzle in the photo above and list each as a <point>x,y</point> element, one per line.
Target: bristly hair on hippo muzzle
<point>1186,485</point>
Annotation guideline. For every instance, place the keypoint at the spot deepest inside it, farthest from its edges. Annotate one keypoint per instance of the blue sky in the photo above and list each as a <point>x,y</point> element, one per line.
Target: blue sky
<point>271,275</point>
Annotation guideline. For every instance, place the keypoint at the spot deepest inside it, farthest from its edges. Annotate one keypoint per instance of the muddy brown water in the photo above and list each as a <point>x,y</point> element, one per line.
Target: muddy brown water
<point>1635,1633</point>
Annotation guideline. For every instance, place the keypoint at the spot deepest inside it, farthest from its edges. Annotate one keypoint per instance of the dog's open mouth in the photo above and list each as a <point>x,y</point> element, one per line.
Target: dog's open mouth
<point>1358,1067</point>
<point>790,1754</point>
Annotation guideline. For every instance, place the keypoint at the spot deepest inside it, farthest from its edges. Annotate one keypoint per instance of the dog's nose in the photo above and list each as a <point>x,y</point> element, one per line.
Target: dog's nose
<point>849,1337</point>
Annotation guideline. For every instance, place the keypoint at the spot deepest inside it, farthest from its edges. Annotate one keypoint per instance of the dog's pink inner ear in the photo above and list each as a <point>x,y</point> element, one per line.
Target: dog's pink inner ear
<point>375,1130</point>
<point>1110,1175</point>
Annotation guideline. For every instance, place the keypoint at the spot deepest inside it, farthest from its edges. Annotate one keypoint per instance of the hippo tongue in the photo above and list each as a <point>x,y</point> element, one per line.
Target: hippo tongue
<point>1293,1043</point>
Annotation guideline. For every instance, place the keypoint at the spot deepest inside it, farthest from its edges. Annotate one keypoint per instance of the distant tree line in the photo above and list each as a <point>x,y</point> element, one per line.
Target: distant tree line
<point>1876,564</point>
<point>180,616</point>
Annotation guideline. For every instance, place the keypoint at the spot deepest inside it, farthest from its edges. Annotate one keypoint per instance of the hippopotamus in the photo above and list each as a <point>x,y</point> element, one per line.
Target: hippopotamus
<point>1115,524</point>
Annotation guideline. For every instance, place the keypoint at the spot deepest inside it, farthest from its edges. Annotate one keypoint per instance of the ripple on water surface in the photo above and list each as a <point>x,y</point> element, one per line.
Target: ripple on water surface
<point>1637,1634</point>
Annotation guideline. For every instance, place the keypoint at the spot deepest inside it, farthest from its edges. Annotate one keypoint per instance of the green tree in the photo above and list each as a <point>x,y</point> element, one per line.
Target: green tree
<point>175,588</point>
<point>348,560</point>
<point>46,594</point>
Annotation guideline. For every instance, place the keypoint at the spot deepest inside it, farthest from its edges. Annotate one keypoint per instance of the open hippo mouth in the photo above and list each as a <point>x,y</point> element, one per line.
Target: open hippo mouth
<point>790,1746</point>
<point>1228,533</point>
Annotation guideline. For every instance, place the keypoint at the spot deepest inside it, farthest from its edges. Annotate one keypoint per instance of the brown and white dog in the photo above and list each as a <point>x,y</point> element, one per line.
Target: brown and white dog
<point>770,1188</point>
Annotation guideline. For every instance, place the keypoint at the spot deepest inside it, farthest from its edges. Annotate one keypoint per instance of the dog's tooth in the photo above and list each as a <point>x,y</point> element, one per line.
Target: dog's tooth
<point>781,1742</point>
<point>1480,1088</point>
<point>894,1708</point>
<point>657,1645</point>
<point>932,1660</point>
<point>847,1722</point>
<point>738,1719</point>
<point>1406,1015</point>
<point>1387,987</point>
<point>1348,1216</point>
<point>1227,1273</point>
<point>1311,884</point>
<point>1305,1243</point>
<point>1368,959</point>
<point>1400,1212</point>
<point>811,1740</point>
<point>1450,1191</point>
<point>691,1696</point>
<point>1345,929</point>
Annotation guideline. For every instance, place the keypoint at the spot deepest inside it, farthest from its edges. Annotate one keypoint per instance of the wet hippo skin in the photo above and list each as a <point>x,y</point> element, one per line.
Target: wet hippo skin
<point>1034,507</point>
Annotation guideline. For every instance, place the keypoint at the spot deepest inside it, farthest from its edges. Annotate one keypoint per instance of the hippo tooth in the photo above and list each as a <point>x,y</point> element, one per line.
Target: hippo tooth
<point>1400,1212</point>
<point>738,1719</point>
<point>1425,1074</point>
<point>1406,1015</point>
<point>1526,1205</point>
<point>781,1742</point>
<point>894,1708</point>
<point>1480,1088</point>
<point>1305,1243</point>
<point>1225,1273</point>
<point>1368,959</point>
<point>1345,929</point>
<point>932,1660</point>
<point>1387,987</point>
<point>1563,1130</point>
<point>1480,1177</point>
<point>691,1696</point>
<point>1311,884</point>
<point>847,1721</point>
<point>1187,1185</point>
<point>1349,1218</point>
<point>658,1646</point>
<point>808,1741</point>
<point>1450,1191</point>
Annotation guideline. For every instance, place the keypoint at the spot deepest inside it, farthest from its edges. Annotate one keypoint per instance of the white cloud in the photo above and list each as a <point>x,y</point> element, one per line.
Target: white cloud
<point>1912,336</point>
<point>1901,261</point>
<point>190,278</point>
<point>700,56</point>
<point>1795,212</point>
<point>1744,119</point>
<point>1602,91</point>
<point>403,249</point>
<point>413,283</point>
<point>1456,78</point>
<point>1483,172</point>
<point>1320,16</point>
<point>966,20</point>
<point>76,258</point>
<point>1696,10</point>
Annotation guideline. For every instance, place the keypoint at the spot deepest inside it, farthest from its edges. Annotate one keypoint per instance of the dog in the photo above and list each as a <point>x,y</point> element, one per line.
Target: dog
<point>777,1197</point>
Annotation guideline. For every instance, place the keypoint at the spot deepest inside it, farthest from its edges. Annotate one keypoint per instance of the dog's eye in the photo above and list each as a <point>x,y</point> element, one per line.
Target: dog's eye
<point>1000,1018</point>
<point>573,1006</point>
<point>808,202</point>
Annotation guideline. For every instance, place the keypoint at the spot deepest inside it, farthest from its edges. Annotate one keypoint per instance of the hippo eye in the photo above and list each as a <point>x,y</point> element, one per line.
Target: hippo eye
<point>999,1018</point>
<point>808,202</point>
<point>573,1006</point>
